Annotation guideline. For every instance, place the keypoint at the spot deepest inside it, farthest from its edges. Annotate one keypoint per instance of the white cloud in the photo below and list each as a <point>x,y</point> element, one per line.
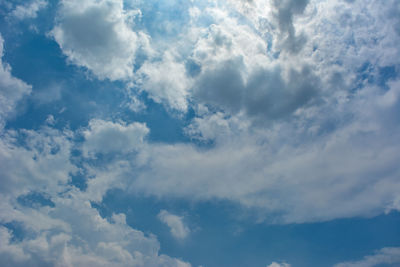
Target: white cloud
<point>70,232</point>
<point>10,252</point>
<point>385,256</point>
<point>42,164</point>
<point>12,89</point>
<point>108,137</point>
<point>165,81</point>
<point>98,35</point>
<point>275,264</point>
<point>28,10</point>
<point>329,147</point>
<point>88,240</point>
<point>318,154</point>
<point>289,170</point>
<point>175,223</point>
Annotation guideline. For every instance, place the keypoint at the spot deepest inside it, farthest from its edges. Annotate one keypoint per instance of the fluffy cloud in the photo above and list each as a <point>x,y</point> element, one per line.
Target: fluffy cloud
<point>10,252</point>
<point>58,225</point>
<point>178,228</point>
<point>327,146</point>
<point>29,10</point>
<point>106,137</point>
<point>385,256</point>
<point>86,239</point>
<point>294,173</point>
<point>98,35</point>
<point>265,95</point>
<point>317,143</point>
<point>284,11</point>
<point>11,89</point>
<point>45,155</point>
<point>165,81</point>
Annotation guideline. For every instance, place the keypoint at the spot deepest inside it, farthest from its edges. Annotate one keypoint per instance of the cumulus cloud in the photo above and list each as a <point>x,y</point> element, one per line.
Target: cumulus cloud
<point>320,144</point>
<point>294,170</point>
<point>265,95</point>
<point>45,154</point>
<point>69,231</point>
<point>10,252</point>
<point>165,81</point>
<point>28,10</point>
<point>385,256</point>
<point>239,75</point>
<point>98,35</point>
<point>86,239</point>
<point>175,223</point>
<point>284,13</point>
<point>106,137</point>
<point>12,89</point>
<point>329,148</point>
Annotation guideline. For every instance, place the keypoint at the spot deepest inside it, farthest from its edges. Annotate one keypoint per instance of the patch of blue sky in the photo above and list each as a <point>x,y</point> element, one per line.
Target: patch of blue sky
<point>34,200</point>
<point>78,96</point>
<point>226,234</point>
<point>163,19</point>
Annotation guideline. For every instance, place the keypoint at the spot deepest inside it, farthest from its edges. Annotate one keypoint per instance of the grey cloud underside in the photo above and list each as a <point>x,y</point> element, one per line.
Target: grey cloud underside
<point>285,11</point>
<point>265,95</point>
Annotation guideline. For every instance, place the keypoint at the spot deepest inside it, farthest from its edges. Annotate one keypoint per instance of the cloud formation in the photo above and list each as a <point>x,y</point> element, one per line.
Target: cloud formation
<point>28,10</point>
<point>98,35</point>
<point>12,89</point>
<point>389,256</point>
<point>106,137</point>
<point>290,111</point>
<point>175,223</point>
<point>64,230</point>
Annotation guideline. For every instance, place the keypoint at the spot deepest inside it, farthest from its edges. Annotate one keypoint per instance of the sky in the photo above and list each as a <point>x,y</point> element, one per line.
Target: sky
<point>200,133</point>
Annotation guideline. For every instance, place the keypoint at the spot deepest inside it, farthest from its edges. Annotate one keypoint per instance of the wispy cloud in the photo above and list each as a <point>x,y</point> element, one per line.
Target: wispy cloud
<point>175,223</point>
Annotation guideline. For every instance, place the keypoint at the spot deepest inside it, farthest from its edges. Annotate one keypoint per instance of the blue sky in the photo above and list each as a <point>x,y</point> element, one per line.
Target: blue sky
<point>199,133</point>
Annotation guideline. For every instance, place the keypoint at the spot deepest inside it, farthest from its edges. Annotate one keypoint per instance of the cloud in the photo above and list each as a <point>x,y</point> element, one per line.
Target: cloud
<point>42,163</point>
<point>275,264</point>
<point>310,71</point>
<point>293,171</point>
<point>385,256</point>
<point>98,35</point>
<point>12,89</point>
<point>265,95</point>
<point>87,239</point>
<point>69,232</point>
<point>316,144</point>
<point>284,13</point>
<point>239,75</point>
<point>10,252</point>
<point>177,227</point>
<point>106,137</point>
<point>165,81</point>
<point>28,10</point>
